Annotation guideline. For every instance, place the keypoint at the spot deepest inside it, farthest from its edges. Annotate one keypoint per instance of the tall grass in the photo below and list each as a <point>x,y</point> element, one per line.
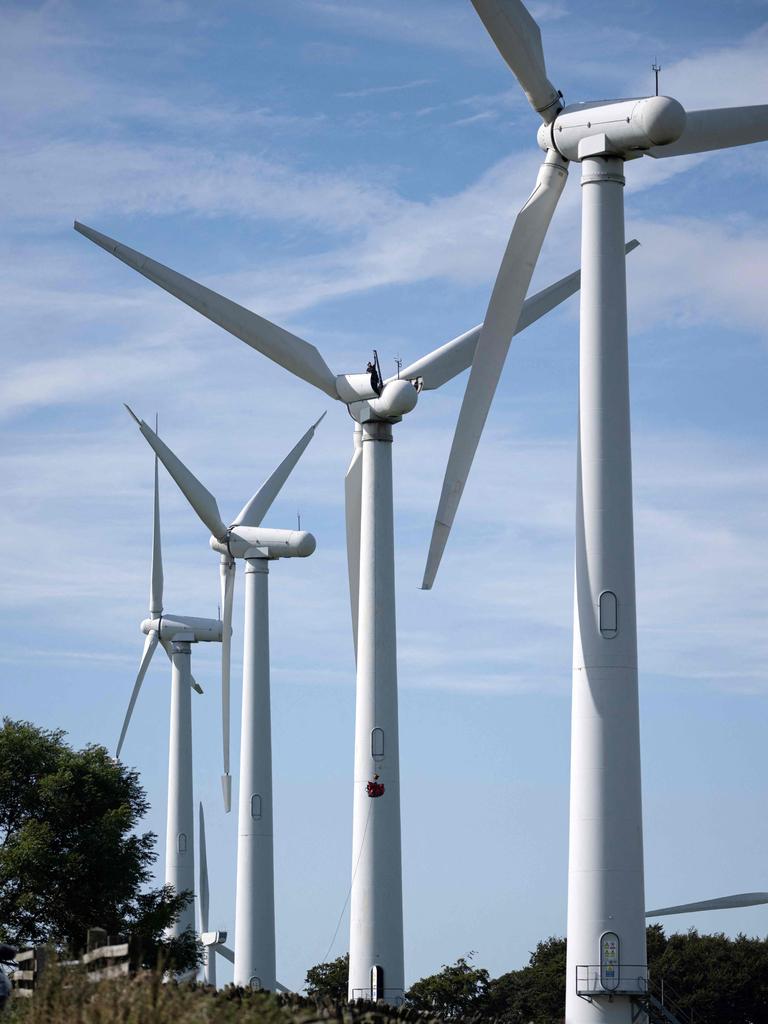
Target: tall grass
<point>68,997</point>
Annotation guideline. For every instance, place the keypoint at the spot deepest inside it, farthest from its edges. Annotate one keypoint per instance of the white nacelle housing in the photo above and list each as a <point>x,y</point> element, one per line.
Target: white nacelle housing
<point>170,625</point>
<point>629,126</point>
<point>354,387</point>
<point>274,543</point>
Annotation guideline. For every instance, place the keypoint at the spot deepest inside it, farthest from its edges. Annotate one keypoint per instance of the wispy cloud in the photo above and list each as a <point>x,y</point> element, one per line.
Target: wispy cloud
<point>486,115</point>
<point>683,518</point>
<point>428,23</point>
<point>60,178</point>
<point>723,76</point>
<point>381,90</point>
<point>544,10</point>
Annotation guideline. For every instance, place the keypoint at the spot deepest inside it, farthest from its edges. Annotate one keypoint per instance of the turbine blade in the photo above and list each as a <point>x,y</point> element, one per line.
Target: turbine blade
<point>255,510</point>
<point>744,899</point>
<point>444,363</point>
<point>201,499</point>
<point>156,587</point>
<point>518,40</point>
<point>277,344</point>
<point>166,645</point>
<point>722,128</point>
<point>204,891</point>
<point>353,484</point>
<point>224,951</point>
<point>501,320</point>
<point>146,656</point>
<point>227,577</point>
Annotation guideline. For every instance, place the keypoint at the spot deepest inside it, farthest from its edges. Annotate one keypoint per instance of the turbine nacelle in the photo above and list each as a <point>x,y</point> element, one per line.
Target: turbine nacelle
<point>354,387</point>
<point>396,398</point>
<point>173,627</point>
<point>628,126</point>
<point>256,542</point>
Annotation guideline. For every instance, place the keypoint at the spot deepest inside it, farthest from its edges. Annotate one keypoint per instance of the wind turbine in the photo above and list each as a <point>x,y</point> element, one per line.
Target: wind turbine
<point>606,909</point>
<point>376,918</point>
<point>245,538</point>
<point>176,633</point>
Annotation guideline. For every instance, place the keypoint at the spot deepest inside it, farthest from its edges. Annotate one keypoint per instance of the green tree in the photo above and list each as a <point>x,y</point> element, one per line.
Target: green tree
<point>716,977</point>
<point>458,991</point>
<point>534,993</point>
<point>70,855</point>
<point>329,981</point>
<point>712,976</point>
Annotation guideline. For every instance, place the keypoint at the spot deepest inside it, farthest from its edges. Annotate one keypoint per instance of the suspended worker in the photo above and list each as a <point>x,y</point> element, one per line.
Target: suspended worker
<point>373,370</point>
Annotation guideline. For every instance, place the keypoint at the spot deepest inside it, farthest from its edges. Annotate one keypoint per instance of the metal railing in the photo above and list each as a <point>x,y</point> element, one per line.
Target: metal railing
<point>393,996</point>
<point>623,979</point>
<point>668,1003</point>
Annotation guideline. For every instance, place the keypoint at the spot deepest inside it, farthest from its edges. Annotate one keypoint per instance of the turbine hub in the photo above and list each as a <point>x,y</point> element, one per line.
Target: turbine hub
<point>396,399</point>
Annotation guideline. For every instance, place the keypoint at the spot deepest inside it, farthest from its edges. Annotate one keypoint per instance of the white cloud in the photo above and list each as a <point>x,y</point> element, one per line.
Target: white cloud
<point>428,23</point>
<point>731,75</point>
<point>53,179</point>
<point>381,90</point>
<point>700,271</point>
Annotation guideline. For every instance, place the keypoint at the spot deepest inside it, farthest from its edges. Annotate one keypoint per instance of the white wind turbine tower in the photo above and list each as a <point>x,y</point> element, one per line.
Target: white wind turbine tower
<point>176,633</point>
<point>376,918</point>
<point>246,539</point>
<point>213,941</point>
<point>606,912</point>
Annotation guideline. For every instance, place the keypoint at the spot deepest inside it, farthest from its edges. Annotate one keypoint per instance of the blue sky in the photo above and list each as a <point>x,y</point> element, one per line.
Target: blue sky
<point>351,170</point>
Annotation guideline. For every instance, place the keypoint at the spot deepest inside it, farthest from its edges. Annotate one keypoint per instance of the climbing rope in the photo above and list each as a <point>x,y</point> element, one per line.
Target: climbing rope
<point>349,891</point>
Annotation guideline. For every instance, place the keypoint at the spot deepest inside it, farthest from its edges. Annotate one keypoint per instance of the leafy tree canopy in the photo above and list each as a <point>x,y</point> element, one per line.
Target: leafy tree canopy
<point>713,977</point>
<point>70,855</point>
<point>534,993</point>
<point>329,981</point>
<point>458,990</point>
<point>708,977</point>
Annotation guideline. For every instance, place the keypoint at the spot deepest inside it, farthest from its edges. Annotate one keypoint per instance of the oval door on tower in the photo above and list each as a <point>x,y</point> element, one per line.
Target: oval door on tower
<point>377,743</point>
<point>377,983</point>
<point>609,614</point>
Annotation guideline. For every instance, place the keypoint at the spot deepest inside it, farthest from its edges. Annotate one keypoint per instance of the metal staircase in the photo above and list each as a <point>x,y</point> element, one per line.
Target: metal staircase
<point>663,1007</point>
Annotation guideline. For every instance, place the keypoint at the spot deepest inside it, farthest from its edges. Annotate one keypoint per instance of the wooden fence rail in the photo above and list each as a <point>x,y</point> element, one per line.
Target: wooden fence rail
<point>108,961</point>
